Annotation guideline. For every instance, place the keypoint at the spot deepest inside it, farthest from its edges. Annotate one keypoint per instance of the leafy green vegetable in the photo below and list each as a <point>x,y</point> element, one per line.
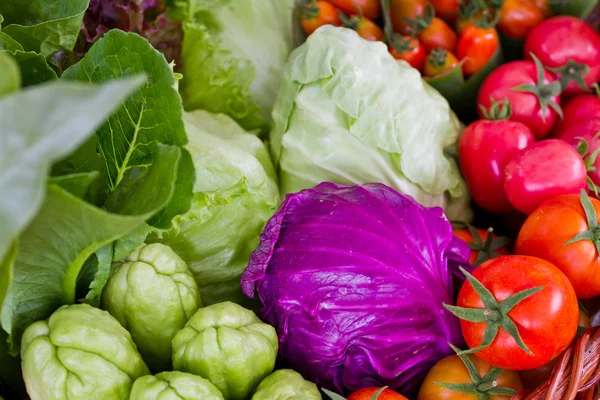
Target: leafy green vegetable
<point>10,77</point>
<point>8,43</point>
<point>235,195</point>
<point>43,26</point>
<point>37,130</point>
<point>34,68</point>
<point>233,56</point>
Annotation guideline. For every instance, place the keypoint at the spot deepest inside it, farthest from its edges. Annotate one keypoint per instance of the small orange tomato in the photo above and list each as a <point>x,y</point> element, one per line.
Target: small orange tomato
<point>438,34</point>
<point>365,28</point>
<point>403,10</point>
<point>476,46</point>
<point>544,6</point>
<point>411,51</point>
<point>315,15</point>
<point>368,8</point>
<point>484,244</point>
<point>438,62</point>
<point>446,9</point>
<point>369,393</point>
<point>518,17</point>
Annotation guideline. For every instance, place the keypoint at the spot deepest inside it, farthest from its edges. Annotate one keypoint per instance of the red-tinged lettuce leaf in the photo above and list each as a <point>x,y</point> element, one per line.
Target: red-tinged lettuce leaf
<point>354,278</point>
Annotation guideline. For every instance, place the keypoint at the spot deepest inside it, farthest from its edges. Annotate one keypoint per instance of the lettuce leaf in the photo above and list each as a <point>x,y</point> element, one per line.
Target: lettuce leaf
<point>10,76</point>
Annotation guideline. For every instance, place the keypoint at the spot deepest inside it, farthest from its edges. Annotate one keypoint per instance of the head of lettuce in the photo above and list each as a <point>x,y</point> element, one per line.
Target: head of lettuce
<point>349,113</point>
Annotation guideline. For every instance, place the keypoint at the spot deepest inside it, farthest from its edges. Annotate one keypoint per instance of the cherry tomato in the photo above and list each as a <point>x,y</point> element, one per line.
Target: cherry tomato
<point>476,46</point>
<point>569,47</point>
<point>446,9</point>
<point>518,17</point>
<point>400,10</point>
<point>365,28</point>
<point>367,394</point>
<point>548,229</point>
<point>584,136</point>
<point>438,34</point>
<point>439,62</point>
<point>542,171</point>
<point>484,149</point>
<point>411,51</point>
<point>314,16</point>
<point>514,81</point>
<point>584,106</point>
<point>482,247</point>
<point>534,285</point>
<point>544,6</point>
<point>452,370</point>
<point>368,8</point>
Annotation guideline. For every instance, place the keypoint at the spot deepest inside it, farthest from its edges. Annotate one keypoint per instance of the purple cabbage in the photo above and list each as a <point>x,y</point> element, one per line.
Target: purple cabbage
<point>353,278</point>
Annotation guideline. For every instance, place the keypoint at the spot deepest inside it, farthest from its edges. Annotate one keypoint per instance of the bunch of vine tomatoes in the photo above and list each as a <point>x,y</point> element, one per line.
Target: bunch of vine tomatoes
<point>434,36</point>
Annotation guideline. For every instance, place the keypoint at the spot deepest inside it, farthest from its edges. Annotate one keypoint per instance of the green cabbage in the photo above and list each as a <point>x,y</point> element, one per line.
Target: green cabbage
<point>349,113</point>
<point>233,55</point>
<point>234,196</point>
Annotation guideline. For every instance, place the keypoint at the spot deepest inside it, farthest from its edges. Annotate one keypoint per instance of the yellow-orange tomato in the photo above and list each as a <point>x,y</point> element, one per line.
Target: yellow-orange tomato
<point>438,62</point>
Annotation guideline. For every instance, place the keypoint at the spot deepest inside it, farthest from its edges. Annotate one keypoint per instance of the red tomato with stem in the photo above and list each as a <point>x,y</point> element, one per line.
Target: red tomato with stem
<point>484,244</point>
<point>542,171</point>
<point>368,8</point>
<point>365,28</point>
<point>433,32</point>
<point>562,231</point>
<point>533,93</point>
<point>376,393</point>
<point>403,10</point>
<point>576,109</point>
<point>518,17</point>
<point>476,46</point>
<point>570,48</point>
<point>484,150</point>
<point>585,137</point>
<point>315,15</point>
<point>409,50</point>
<point>499,307</point>
<point>439,62</point>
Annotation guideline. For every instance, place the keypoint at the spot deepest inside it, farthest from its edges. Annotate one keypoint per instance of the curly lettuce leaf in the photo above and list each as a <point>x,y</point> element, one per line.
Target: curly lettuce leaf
<point>33,67</point>
<point>43,26</point>
<point>233,54</point>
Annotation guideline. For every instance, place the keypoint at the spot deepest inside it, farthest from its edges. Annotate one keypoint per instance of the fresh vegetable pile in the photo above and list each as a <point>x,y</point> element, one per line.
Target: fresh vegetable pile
<point>301,200</point>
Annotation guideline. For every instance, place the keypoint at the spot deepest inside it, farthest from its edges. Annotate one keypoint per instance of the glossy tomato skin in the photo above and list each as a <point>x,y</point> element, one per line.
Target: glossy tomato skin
<point>415,56</point>
<point>452,370</point>
<point>369,30</point>
<point>446,9</point>
<point>401,9</point>
<point>438,35</point>
<point>542,171</point>
<point>545,233</point>
<point>576,109</point>
<point>476,46</point>
<point>546,334</point>
<point>586,128</point>
<point>519,17</point>
<point>525,106</point>
<point>367,394</point>
<point>559,39</point>
<point>370,8</point>
<point>327,15</point>
<point>431,69</point>
<point>467,237</point>
<point>484,149</point>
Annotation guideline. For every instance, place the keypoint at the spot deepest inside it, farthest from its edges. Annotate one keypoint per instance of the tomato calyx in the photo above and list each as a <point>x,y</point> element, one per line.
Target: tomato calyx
<point>483,386</point>
<point>401,44</point>
<point>572,71</point>
<point>352,22</point>
<point>593,232</point>
<point>495,313</point>
<point>309,9</point>
<point>486,250</point>
<point>583,148</point>
<point>422,22</point>
<point>437,57</point>
<point>543,92</point>
<point>498,111</point>
<point>335,396</point>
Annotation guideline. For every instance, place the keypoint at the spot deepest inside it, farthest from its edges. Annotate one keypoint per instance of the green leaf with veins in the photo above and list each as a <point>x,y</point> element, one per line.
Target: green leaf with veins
<point>77,184</point>
<point>39,126</point>
<point>43,26</point>
<point>51,254</point>
<point>6,269</point>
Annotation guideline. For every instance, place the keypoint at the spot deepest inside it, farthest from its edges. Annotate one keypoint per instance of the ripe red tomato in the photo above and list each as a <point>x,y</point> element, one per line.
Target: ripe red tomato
<point>446,9</point>
<point>584,136</point>
<point>476,46</point>
<point>452,370</point>
<point>535,102</point>
<point>401,10</point>
<point>484,149</point>
<point>504,281</point>
<point>576,109</point>
<point>569,46</point>
<point>367,394</point>
<point>368,8</point>
<point>483,247</point>
<point>551,226</point>
<point>314,16</point>
<point>365,28</point>
<point>518,17</point>
<point>438,62</point>
<point>542,171</point>
<point>411,51</point>
<point>438,34</point>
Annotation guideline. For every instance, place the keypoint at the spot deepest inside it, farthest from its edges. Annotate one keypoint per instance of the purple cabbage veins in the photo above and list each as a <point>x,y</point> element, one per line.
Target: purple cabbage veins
<point>353,278</point>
